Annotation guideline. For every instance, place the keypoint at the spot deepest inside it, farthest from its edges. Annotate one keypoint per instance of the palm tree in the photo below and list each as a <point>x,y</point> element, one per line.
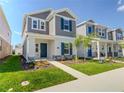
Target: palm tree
<point>77,43</point>
<point>121,43</point>
<point>85,41</point>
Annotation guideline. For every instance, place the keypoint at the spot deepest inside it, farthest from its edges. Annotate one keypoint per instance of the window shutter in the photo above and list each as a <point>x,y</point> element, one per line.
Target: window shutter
<point>62,48</point>
<point>71,49</point>
<point>62,23</point>
<point>70,25</point>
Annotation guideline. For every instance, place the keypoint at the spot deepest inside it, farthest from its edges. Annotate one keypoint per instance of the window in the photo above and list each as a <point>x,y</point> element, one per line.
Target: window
<point>119,36</point>
<point>89,29</point>
<point>0,45</point>
<point>34,23</point>
<point>36,48</point>
<point>66,48</point>
<point>42,25</point>
<point>66,25</point>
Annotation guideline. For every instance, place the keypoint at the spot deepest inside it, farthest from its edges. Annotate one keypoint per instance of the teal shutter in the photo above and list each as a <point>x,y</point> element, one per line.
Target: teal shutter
<point>71,50</point>
<point>62,48</point>
<point>62,23</point>
<point>70,25</point>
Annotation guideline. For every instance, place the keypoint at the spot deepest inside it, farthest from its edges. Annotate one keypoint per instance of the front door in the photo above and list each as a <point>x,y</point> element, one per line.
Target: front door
<point>90,51</point>
<point>43,48</point>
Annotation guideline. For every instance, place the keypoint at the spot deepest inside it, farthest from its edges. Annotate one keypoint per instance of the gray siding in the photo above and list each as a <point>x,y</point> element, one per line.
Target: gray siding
<point>24,48</point>
<point>42,15</point>
<point>29,27</point>
<point>66,14</point>
<point>63,33</point>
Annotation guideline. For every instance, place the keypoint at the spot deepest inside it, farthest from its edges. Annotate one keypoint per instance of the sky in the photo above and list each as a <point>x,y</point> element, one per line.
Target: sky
<point>106,12</point>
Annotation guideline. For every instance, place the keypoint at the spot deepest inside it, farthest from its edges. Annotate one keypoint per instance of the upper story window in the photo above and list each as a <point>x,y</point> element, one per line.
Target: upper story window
<point>119,36</point>
<point>101,32</point>
<point>38,24</point>
<point>34,23</point>
<point>42,25</point>
<point>66,25</point>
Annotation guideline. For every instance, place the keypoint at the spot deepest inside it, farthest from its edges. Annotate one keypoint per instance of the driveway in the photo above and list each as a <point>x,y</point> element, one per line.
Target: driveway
<point>108,81</point>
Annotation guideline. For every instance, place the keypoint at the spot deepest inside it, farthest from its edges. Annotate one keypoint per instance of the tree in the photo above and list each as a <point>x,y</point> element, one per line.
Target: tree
<point>77,43</point>
<point>84,41</point>
<point>121,43</point>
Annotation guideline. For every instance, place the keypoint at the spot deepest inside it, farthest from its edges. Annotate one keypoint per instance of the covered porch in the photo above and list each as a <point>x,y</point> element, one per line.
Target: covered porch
<point>105,49</point>
<point>40,47</point>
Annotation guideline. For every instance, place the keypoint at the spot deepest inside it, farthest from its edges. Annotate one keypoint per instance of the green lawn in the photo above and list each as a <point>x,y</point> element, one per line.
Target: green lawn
<point>11,76</point>
<point>94,67</point>
<point>120,59</point>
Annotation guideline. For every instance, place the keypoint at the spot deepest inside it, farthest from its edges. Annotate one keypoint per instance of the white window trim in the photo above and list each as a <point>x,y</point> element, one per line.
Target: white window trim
<point>68,49</point>
<point>41,20</point>
<point>44,25</point>
<point>65,18</point>
<point>34,19</point>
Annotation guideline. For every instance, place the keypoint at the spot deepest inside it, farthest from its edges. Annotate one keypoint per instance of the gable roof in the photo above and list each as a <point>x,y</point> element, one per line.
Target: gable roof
<point>39,11</point>
<point>66,10</point>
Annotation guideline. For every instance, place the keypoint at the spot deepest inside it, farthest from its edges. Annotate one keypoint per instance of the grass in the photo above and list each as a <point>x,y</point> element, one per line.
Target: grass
<point>119,58</point>
<point>11,76</point>
<point>94,67</point>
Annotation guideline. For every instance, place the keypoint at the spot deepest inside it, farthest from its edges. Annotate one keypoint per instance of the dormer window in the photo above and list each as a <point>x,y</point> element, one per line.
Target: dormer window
<point>34,24</point>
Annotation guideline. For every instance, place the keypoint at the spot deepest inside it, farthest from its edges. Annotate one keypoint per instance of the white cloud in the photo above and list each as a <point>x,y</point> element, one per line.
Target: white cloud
<point>4,2</point>
<point>119,2</point>
<point>17,33</point>
<point>120,8</point>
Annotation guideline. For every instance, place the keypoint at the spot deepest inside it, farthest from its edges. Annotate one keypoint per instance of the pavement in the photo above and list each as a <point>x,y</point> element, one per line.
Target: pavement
<point>110,81</point>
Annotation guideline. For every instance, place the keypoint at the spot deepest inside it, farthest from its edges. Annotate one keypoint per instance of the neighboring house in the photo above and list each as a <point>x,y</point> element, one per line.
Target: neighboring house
<point>5,36</point>
<point>18,49</point>
<point>104,45</point>
<point>49,33</point>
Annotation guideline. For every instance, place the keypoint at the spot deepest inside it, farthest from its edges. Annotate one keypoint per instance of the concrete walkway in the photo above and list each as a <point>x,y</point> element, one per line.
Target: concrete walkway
<point>69,70</point>
<point>108,81</point>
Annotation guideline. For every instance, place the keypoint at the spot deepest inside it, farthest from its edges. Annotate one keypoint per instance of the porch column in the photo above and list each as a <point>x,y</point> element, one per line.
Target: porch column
<point>98,50</point>
<point>112,50</point>
<point>106,50</point>
<point>30,47</point>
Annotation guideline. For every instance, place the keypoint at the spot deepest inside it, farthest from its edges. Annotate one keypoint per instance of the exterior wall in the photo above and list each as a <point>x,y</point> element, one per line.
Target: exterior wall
<point>25,48</point>
<point>50,47</point>
<point>5,36</point>
<point>81,30</point>
<point>59,40</point>
<point>52,27</point>
<point>64,33</point>
<point>6,49</point>
<point>18,49</point>
<point>29,27</point>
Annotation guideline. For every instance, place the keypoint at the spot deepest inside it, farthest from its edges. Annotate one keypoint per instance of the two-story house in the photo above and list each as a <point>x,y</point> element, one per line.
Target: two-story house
<point>49,33</point>
<point>5,36</point>
<point>105,43</point>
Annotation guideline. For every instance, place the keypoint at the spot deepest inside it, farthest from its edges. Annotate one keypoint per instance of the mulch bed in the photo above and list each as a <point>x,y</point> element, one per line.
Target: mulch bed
<point>68,62</point>
<point>35,65</point>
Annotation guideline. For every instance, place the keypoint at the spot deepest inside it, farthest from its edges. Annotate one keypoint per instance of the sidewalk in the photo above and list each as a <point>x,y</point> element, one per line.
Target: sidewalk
<point>110,81</point>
